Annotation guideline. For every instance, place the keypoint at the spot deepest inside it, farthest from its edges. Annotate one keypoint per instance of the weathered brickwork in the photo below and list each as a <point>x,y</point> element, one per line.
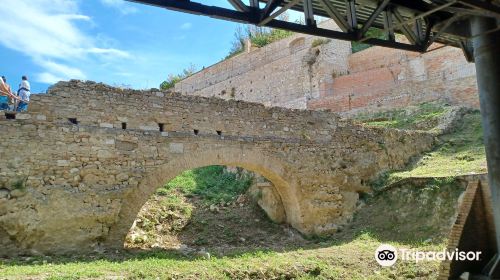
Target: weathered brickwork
<point>473,230</point>
<point>382,79</point>
<point>292,73</point>
<point>79,165</point>
<point>286,73</point>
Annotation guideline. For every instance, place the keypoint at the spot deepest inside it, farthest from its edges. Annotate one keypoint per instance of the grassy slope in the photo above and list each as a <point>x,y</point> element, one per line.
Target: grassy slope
<point>460,152</point>
<point>350,260</point>
<point>423,116</point>
<point>210,183</point>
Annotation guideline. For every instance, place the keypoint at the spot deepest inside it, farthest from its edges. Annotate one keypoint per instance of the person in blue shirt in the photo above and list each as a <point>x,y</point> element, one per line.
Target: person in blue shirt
<point>5,94</point>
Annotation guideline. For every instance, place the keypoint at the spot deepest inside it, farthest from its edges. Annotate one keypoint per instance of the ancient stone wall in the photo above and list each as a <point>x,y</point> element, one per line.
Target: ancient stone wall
<point>78,166</point>
<point>383,79</point>
<point>285,73</point>
<point>294,73</point>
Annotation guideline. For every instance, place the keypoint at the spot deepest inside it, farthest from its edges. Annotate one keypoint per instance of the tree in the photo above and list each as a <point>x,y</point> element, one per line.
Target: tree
<point>258,36</point>
<point>173,79</point>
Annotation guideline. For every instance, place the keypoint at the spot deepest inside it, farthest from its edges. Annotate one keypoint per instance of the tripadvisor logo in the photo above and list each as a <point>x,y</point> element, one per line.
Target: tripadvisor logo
<point>387,255</point>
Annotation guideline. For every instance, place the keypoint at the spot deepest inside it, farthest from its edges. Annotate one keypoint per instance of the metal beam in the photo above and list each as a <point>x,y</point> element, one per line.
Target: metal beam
<point>239,5</point>
<point>442,29</point>
<point>472,12</point>
<point>253,18</point>
<point>339,35</point>
<point>467,50</point>
<point>254,4</point>
<point>405,29</point>
<point>278,12</point>
<point>373,17</point>
<point>200,9</point>
<point>418,29</point>
<point>388,24</point>
<point>482,5</point>
<point>425,14</point>
<point>352,19</point>
<point>335,15</point>
<point>271,5</point>
<point>309,13</point>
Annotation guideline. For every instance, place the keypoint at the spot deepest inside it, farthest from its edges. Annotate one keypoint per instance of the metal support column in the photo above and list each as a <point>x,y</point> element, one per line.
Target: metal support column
<point>487,58</point>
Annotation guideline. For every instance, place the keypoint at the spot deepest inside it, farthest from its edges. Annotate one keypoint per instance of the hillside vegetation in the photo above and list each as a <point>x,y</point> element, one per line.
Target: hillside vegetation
<point>458,152</point>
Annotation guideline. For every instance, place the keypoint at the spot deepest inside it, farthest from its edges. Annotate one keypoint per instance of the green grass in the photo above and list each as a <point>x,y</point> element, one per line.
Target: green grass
<point>212,183</point>
<point>352,259</point>
<point>405,219</point>
<point>461,152</point>
<point>419,117</point>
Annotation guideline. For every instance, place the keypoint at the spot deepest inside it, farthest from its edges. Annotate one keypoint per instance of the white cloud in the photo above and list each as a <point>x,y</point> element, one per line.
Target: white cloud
<point>48,78</point>
<point>110,52</point>
<point>186,26</point>
<point>75,17</point>
<point>120,5</point>
<point>45,30</point>
<point>62,70</point>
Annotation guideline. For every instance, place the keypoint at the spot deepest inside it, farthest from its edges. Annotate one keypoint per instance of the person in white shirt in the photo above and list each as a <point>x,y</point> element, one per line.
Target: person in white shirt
<point>24,93</point>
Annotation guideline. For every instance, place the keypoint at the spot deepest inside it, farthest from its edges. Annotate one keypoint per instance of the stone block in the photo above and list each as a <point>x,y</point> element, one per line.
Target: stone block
<point>22,116</point>
<point>176,148</point>
<point>62,162</point>
<point>106,125</point>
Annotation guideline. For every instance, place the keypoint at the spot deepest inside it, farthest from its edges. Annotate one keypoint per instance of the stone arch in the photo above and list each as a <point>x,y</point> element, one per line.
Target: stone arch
<point>251,159</point>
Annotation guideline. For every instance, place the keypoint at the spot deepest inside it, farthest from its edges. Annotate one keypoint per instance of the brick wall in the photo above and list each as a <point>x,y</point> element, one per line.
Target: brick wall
<point>381,78</point>
<point>473,231</point>
<point>292,73</point>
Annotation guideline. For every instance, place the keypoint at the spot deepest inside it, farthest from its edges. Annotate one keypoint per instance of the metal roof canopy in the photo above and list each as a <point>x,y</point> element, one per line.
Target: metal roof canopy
<point>422,22</point>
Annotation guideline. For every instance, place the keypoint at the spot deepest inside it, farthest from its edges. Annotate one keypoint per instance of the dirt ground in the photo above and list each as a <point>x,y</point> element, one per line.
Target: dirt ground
<point>189,224</point>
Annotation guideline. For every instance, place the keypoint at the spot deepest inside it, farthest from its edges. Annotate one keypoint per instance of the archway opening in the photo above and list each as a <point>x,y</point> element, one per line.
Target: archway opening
<point>216,209</point>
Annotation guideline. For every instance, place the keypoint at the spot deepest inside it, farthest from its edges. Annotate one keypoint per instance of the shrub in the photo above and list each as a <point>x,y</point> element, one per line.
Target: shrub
<point>320,41</point>
<point>258,36</point>
<point>212,183</point>
<point>173,79</point>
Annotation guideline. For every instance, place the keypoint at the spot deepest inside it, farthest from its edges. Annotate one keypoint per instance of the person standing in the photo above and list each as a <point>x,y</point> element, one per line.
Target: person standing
<point>24,93</point>
<point>5,88</point>
<point>4,95</point>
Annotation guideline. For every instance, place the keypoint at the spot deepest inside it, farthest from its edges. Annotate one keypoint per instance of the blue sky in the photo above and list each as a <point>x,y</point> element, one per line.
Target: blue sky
<point>111,41</point>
